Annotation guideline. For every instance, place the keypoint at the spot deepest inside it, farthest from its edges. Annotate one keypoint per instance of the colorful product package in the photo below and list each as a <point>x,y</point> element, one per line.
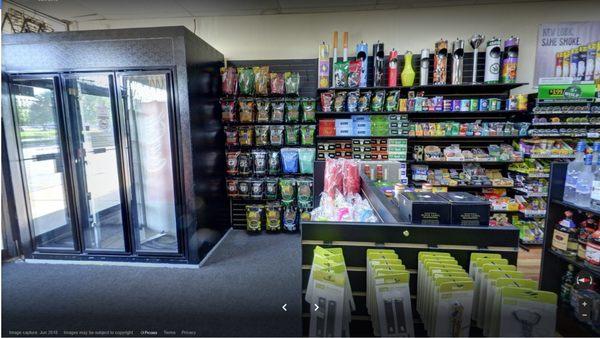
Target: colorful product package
<point>278,110</point>
<point>260,162</point>
<point>352,101</point>
<point>232,187</point>
<point>231,136</point>
<point>263,106</point>
<point>351,183</point>
<point>339,103</point>
<point>333,177</point>
<point>273,217</point>
<point>305,193</point>
<point>229,80</point>
<point>340,74</point>
<point>244,164</point>
<point>243,189</point>
<point>290,219</point>
<point>292,83</point>
<point>257,189</point>
<point>364,102</point>
<point>292,108</point>
<point>291,135</point>
<point>327,101</point>
<point>261,135</point>
<point>306,157</point>
<point>289,160</point>
<point>287,187</point>
<point>391,101</point>
<point>354,73</point>
<point>261,80</point>
<point>246,81</point>
<point>246,110</point>
<point>277,83</point>
<point>271,188</point>
<point>232,162</point>
<point>307,135</point>
<point>228,111</point>
<point>254,218</point>
<point>246,135</point>
<point>274,162</point>
<point>377,101</point>
<point>308,109</point>
<point>276,135</point>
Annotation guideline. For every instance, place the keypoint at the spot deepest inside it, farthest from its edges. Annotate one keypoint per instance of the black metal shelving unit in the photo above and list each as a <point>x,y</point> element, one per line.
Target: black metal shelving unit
<point>554,263</point>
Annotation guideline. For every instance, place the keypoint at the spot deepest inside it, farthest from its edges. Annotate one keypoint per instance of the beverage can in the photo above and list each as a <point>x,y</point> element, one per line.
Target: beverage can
<point>492,103</point>
<point>465,104</point>
<point>483,104</point>
<point>474,105</point>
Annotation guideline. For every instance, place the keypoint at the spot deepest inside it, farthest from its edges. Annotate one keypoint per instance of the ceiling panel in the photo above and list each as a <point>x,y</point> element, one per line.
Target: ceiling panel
<point>119,9</point>
<point>229,7</point>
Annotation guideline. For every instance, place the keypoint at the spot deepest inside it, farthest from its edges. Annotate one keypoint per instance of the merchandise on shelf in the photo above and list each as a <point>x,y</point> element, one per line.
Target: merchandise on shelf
<point>453,153</point>
<point>532,168</point>
<point>365,125</point>
<point>545,147</point>
<point>558,120</point>
<point>532,207</point>
<point>472,174</point>
<point>453,128</point>
<point>374,149</point>
<point>566,109</point>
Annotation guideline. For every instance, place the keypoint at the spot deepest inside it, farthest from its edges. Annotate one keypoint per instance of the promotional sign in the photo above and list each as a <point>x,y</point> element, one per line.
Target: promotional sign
<point>568,49</point>
<point>566,91</point>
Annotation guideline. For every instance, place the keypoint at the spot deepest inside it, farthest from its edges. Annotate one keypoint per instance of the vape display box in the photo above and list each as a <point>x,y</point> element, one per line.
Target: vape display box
<point>467,209</point>
<point>423,208</point>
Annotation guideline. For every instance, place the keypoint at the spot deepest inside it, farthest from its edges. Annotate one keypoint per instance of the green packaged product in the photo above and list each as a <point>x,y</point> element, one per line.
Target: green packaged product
<point>291,135</point>
<point>377,100</point>
<point>292,108</point>
<point>263,107</point>
<point>307,135</point>
<point>292,83</point>
<point>246,81</point>
<point>261,135</point>
<point>287,187</point>
<point>305,193</point>
<point>271,188</point>
<point>306,156</point>
<point>273,217</point>
<point>254,218</point>
<point>274,162</point>
<point>305,215</point>
<point>391,101</point>
<point>261,80</point>
<point>290,219</point>
<point>308,110</point>
<point>340,74</point>
<point>276,135</point>
<point>339,104</point>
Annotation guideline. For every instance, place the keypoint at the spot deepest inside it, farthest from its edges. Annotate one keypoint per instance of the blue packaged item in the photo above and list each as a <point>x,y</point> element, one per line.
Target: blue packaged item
<point>289,159</point>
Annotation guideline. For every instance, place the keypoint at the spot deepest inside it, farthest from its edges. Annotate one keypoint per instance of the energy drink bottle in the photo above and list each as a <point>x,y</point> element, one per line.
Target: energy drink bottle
<point>591,60</point>
<point>574,62</point>
<point>558,65</point>
<point>581,63</point>
<point>566,69</point>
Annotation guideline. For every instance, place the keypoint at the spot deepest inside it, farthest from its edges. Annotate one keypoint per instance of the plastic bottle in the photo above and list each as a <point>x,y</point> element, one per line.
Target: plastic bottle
<point>583,188</point>
<point>573,170</point>
<point>595,156</point>
<point>595,195</point>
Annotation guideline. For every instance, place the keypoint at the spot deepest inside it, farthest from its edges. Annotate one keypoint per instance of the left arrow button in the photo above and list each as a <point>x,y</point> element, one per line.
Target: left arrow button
<point>283,307</point>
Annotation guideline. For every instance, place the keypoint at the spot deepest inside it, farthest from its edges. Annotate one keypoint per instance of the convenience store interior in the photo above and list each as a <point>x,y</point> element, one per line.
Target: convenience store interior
<point>199,168</point>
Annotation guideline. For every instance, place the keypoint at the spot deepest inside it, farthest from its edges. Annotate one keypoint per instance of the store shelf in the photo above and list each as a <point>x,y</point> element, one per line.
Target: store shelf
<point>250,124</point>
<point>475,186</point>
<point>466,137</point>
<point>565,113</point>
<point>533,175</point>
<point>549,156</point>
<point>533,214</point>
<point>324,138</point>
<point>531,194</point>
<point>364,88</point>
<point>576,207</point>
<point>426,113</point>
<point>565,136</point>
<point>573,101</point>
<point>560,124</point>
<point>468,88</point>
<point>496,211</point>
<point>576,262</point>
<point>442,162</point>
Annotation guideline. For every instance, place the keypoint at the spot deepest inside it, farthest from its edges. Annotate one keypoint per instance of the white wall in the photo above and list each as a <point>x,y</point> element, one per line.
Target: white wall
<point>297,35</point>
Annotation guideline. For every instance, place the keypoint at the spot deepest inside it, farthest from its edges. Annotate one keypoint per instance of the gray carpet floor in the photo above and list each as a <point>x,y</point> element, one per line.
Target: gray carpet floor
<point>238,291</point>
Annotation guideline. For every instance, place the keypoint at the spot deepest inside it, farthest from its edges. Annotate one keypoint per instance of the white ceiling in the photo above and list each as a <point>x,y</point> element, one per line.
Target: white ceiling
<point>90,10</point>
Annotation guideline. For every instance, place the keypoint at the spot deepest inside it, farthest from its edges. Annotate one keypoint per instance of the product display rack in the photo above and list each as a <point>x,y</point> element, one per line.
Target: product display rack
<point>554,263</point>
<point>404,238</point>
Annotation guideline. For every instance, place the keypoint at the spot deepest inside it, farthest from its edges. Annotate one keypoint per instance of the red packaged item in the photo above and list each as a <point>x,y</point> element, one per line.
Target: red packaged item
<point>327,101</point>
<point>229,80</point>
<point>354,73</point>
<point>334,177</point>
<point>351,180</point>
<point>277,83</point>
<point>327,127</point>
<point>228,111</point>
<point>393,68</point>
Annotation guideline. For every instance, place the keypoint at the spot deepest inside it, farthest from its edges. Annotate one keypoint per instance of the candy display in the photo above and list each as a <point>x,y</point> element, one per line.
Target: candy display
<point>452,128</point>
<point>493,153</point>
<point>351,208</point>
<point>472,174</point>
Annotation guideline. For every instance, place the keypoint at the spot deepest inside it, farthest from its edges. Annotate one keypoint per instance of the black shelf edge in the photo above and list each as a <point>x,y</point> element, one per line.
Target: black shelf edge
<point>576,262</point>
<point>325,89</point>
<point>465,138</point>
<point>573,206</point>
<point>565,124</point>
<point>463,186</point>
<point>357,137</point>
<point>250,124</point>
<point>461,162</point>
<point>424,113</point>
<point>491,88</point>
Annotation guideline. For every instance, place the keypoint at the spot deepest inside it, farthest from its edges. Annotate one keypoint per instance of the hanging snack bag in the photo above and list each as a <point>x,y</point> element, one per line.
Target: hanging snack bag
<point>340,74</point>
<point>340,101</point>
<point>292,83</point>
<point>263,106</point>
<point>257,189</point>
<point>246,110</point>
<point>291,135</point>
<point>245,164</point>
<point>377,100</point>
<point>306,157</point>
<point>273,217</point>
<point>327,101</point>
<point>277,83</point>
<point>243,189</point>
<point>354,73</point>
<point>229,80</point>
<point>228,111</point>
<point>391,101</point>
<point>352,101</point>
<point>274,163</point>
<point>231,136</point>
<point>261,134</point>
<point>246,135</point>
<point>288,192</point>
<point>307,135</point>
<point>308,109</point>
<point>260,162</point>
<point>364,102</point>
<point>305,193</point>
<point>232,187</point>
<point>232,162</point>
<point>292,108</point>
<point>289,160</point>
<point>290,219</point>
<point>246,81</point>
<point>278,109</point>
<point>261,80</point>
<point>254,218</point>
<point>271,188</point>
<point>276,135</point>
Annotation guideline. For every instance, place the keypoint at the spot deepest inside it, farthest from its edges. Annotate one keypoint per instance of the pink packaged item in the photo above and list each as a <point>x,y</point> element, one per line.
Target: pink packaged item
<point>333,180</point>
<point>351,178</point>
